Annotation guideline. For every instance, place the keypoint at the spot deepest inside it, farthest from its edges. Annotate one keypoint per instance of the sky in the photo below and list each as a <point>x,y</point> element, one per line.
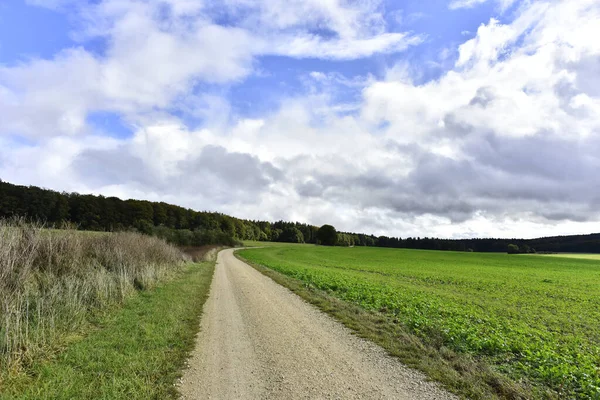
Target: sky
<point>446,118</point>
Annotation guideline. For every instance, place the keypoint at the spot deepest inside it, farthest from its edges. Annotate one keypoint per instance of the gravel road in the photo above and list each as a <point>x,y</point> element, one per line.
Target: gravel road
<point>258,340</point>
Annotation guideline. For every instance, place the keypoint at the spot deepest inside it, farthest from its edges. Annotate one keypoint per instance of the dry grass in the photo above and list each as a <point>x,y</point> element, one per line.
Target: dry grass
<point>51,281</point>
<point>202,253</point>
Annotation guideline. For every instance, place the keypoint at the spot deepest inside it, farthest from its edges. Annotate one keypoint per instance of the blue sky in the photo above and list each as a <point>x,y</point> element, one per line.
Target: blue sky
<point>31,31</point>
<point>401,118</point>
<point>20,42</point>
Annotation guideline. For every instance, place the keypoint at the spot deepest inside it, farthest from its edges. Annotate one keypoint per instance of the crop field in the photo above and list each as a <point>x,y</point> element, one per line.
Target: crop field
<point>535,319</point>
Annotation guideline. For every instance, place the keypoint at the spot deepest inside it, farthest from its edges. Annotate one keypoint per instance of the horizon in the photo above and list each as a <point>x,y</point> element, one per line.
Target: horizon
<point>341,231</point>
<point>453,119</point>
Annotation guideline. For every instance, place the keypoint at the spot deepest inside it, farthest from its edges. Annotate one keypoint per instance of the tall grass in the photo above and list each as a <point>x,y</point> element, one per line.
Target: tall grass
<point>51,280</point>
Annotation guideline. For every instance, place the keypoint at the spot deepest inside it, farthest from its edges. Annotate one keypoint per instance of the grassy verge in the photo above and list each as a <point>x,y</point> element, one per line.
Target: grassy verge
<point>460,373</point>
<point>52,281</point>
<point>134,352</point>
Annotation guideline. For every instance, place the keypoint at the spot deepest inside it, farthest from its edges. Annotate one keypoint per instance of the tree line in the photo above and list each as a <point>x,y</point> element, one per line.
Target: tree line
<point>178,225</point>
<point>184,226</point>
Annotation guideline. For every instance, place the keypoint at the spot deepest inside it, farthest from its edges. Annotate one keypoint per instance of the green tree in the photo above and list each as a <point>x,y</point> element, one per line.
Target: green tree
<point>513,249</point>
<point>144,226</point>
<point>60,211</point>
<point>291,234</point>
<point>327,235</point>
<point>160,213</point>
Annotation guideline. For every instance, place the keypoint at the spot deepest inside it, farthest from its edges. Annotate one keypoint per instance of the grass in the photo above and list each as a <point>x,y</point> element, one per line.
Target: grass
<point>485,325</point>
<point>52,281</point>
<point>133,352</point>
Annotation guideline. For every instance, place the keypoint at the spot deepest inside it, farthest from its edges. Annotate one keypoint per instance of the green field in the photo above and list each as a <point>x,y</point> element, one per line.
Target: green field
<point>533,319</point>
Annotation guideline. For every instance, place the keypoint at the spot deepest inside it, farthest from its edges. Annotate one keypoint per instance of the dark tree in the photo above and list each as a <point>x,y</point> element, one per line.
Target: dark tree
<point>327,235</point>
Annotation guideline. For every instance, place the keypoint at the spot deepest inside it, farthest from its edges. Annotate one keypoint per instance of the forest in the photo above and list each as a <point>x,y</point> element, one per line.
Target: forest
<point>187,227</point>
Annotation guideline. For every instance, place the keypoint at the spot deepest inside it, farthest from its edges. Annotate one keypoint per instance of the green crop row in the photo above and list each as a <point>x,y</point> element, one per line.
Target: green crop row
<point>532,318</point>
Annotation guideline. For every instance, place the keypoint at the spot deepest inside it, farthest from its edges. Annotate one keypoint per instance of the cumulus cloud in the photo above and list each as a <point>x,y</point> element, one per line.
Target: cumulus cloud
<point>157,52</point>
<point>215,174</point>
<point>500,134</point>
<point>504,143</point>
<point>146,67</point>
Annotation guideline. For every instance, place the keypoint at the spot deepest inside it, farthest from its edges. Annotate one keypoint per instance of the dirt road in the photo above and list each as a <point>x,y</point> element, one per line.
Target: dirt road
<point>258,340</point>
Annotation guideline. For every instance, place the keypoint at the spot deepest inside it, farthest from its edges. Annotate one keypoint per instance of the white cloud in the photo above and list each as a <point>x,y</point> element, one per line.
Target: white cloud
<point>47,97</point>
<point>505,143</point>
<point>312,46</point>
<point>158,51</point>
<point>497,85</point>
<point>347,20</point>
<point>458,4</point>
<point>455,4</point>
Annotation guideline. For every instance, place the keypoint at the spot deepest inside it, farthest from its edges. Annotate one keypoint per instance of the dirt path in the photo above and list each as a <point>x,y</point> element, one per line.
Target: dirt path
<point>258,340</point>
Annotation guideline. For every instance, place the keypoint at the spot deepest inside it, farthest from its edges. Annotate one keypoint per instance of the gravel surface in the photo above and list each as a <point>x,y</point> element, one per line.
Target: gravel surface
<point>258,340</point>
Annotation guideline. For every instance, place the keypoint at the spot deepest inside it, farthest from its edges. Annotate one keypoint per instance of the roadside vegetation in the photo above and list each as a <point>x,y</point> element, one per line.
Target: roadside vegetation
<point>485,325</point>
<point>53,284</point>
<point>134,352</point>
